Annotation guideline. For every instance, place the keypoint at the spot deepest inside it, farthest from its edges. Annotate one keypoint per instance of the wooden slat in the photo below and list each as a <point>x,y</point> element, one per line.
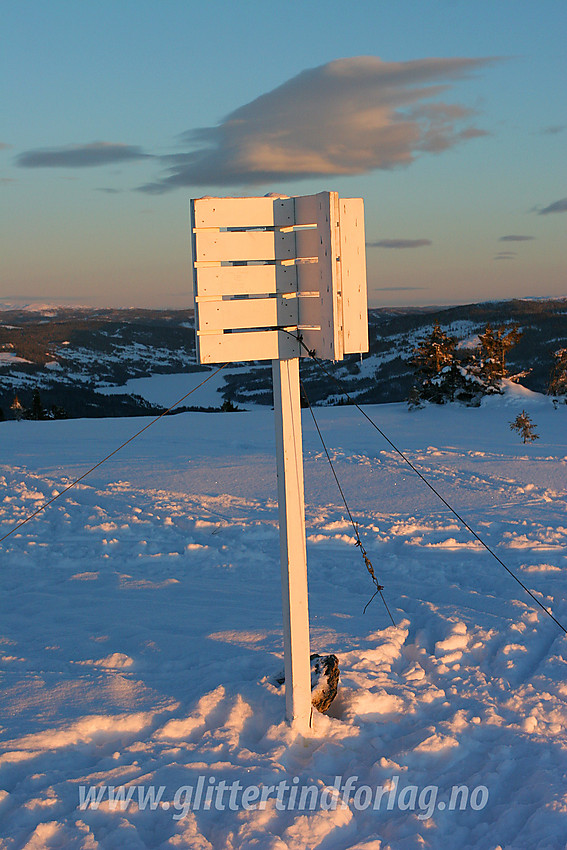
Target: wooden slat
<point>328,343</point>
<point>307,243</point>
<point>246,313</point>
<point>193,247</point>
<point>237,347</point>
<point>353,275</point>
<point>306,209</point>
<point>245,245</point>
<point>308,279</point>
<point>312,209</point>
<point>246,280</point>
<point>243,212</point>
<point>284,212</point>
<point>309,312</point>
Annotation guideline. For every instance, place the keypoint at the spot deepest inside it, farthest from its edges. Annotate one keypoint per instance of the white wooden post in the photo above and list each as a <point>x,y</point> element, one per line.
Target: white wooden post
<point>304,273</point>
<point>289,453</point>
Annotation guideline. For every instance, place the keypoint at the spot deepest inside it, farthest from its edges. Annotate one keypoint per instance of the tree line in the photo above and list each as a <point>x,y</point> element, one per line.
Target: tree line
<point>447,371</point>
<point>37,411</point>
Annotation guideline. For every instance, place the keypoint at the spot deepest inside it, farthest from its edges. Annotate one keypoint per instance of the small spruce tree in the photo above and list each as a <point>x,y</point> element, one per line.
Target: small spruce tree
<point>525,427</point>
<point>495,344</point>
<point>58,412</point>
<point>433,360</point>
<point>17,408</point>
<point>37,410</point>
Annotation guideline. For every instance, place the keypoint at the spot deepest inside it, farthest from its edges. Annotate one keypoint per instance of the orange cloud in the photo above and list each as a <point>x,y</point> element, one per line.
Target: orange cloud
<point>351,116</point>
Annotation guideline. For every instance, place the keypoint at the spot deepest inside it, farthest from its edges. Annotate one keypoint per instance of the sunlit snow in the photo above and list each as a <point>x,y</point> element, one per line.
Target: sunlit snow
<point>141,627</point>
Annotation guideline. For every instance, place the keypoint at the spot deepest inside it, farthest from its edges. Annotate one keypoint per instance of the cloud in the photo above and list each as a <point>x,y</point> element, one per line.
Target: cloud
<point>399,243</point>
<point>505,255</point>
<point>350,116</point>
<point>553,130</point>
<point>108,191</point>
<point>513,238</point>
<point>80,156</point>
<point>4,146</point>
<point>558,206</point>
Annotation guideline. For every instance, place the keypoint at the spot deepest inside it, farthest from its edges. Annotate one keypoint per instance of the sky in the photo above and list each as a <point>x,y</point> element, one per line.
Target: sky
<point>447,116</point>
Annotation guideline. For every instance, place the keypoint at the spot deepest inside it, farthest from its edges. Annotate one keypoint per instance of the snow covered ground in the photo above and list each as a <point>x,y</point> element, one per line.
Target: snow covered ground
<point>141,631</point>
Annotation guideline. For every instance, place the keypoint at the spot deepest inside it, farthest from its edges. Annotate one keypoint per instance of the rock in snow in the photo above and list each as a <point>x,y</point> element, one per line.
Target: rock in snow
<point>324,680</point>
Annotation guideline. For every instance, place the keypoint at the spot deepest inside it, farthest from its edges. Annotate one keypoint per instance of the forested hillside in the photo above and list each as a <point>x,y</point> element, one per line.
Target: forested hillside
<point>70,355</point>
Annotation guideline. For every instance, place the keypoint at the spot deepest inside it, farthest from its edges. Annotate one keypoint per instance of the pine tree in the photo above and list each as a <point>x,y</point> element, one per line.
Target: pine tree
<point>37,410</point>
<point>17,408</point>
<point>463,382</point>
<point>433,361</point>
<point>443,374</point>
<point>558,377</point>
<point>434,352</point>
<point>58,412</point>
<point>494,346</point>
<point>525,427</point>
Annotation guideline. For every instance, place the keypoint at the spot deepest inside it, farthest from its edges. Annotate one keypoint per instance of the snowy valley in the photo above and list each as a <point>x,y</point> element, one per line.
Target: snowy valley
<point>93,363</point>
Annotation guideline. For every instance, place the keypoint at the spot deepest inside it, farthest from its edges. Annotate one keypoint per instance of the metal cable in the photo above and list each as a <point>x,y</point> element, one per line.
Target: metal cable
<point>367,561</point>
<point>88,472</point>
<point>341,386</point>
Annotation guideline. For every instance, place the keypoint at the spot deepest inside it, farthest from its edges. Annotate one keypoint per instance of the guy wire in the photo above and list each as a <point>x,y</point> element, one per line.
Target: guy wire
<point>92,469</point>
<point>341,386</point>
<point>367,561</point>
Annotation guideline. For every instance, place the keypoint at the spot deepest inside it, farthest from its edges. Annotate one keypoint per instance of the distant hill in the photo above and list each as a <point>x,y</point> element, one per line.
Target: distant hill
<point>70,354</point>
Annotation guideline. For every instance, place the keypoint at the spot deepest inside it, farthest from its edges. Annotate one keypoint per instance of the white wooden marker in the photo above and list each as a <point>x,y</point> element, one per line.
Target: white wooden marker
<point>266,270</point>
